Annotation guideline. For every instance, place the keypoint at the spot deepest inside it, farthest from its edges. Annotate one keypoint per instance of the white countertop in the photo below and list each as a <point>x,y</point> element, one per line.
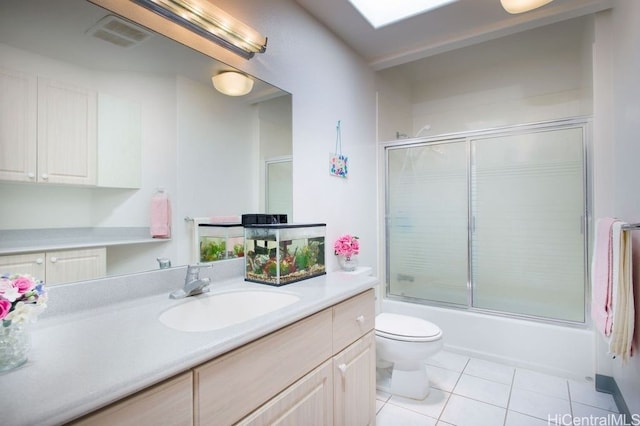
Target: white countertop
<point>84,360</point>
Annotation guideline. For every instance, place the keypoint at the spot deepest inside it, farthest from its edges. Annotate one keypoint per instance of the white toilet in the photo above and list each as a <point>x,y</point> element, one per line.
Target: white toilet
<point>403,343</point>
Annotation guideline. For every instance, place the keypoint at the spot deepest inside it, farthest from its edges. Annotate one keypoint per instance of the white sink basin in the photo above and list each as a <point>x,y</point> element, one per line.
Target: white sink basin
<point>220,310</point>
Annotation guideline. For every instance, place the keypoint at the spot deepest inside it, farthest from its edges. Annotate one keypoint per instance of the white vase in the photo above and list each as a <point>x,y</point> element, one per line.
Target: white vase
<point>348,263</point>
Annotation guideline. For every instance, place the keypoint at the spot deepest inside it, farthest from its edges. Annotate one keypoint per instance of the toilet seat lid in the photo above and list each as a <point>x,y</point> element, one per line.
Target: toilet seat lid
<point>403,327</point>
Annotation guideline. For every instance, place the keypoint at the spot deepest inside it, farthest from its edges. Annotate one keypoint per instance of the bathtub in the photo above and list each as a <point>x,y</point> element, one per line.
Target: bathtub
<point>553,349</point>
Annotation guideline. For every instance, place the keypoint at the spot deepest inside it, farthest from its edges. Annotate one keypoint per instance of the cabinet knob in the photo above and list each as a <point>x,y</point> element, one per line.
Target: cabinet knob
<point>39,261</point>
<point>343,369</point>
<point>31,175</point>
<point>54,259</point>
<point>45,176</point>
<point>360,318</point>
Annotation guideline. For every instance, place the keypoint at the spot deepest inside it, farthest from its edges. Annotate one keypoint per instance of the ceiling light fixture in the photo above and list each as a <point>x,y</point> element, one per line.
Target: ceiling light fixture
<point>520,6</point>
<point>232,83</point>
<point>210,22</point>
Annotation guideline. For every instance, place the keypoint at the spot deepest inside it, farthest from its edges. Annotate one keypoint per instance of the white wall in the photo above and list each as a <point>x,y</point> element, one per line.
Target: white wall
<point>618,38</point>
<point>217,158</point>
<point>203,150</point>
<point>274,118</point>
<point>394,108</point>
<point>328,83</point>
<point>534,76</point>
<point>156,97</point>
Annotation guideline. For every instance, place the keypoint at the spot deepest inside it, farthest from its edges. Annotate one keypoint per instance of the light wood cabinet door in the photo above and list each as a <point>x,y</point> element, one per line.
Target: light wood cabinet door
<point>75,265</point>
<point>232,386</point>
<point>57,267</point>
<point>67,133</point>
<point>354,384</point>
<point>169,403</point>
<point>31,263</point>
<point>308,402</point>
<point>18,113</point>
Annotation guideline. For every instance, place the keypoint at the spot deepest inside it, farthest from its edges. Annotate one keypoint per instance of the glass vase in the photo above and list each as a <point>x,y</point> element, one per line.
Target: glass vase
<point>15,343</point>
<point>348,263</point>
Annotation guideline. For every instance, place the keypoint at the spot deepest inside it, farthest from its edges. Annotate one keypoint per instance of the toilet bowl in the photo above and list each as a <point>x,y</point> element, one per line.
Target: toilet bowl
<point>403,343</point>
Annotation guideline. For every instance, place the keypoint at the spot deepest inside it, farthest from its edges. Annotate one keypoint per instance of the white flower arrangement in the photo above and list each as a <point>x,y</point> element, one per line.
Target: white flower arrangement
<point>22,298</point>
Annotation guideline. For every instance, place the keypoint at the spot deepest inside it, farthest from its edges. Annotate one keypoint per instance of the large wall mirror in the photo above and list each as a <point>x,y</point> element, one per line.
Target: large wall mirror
<point>155,98</point>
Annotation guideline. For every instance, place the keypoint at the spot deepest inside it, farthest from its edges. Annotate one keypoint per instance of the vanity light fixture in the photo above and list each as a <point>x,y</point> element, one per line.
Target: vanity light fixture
<point>520,6</point>
<point>232,83</point>
<point>211,22</point>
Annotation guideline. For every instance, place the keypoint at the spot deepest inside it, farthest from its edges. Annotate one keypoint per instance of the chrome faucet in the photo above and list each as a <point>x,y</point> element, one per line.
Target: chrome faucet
<point>193,284</point>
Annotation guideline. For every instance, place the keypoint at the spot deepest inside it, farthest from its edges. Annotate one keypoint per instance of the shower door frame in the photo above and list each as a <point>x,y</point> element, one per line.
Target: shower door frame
<point>583,123</point>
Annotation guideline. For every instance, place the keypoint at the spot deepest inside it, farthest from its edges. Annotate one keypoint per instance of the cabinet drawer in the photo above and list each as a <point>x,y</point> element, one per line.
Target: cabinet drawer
<point>169,403</point>
<point>352,319</point>
<point>59,267</point>
<point>76,265</point>
<point>32,264</point>
<point>233,385</point>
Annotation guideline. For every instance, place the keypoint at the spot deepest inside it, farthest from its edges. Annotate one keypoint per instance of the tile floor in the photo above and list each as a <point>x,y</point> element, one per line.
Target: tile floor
<point>470,391</point>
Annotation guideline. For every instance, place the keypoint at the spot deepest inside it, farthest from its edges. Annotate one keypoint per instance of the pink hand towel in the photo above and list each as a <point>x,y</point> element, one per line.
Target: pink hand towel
<point>160,216</point>
<point>602,276</point>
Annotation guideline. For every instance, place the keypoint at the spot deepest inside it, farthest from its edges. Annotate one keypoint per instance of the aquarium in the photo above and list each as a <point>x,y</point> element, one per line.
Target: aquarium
<point>283,253</point>
<point>220,241</point>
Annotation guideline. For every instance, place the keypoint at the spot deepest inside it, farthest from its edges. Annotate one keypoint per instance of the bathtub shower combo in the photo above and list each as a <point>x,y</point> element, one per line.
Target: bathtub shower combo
<point>486,239</point>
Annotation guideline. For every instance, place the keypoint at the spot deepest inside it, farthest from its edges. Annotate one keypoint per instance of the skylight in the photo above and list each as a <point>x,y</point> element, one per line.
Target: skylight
<point>384,12</point>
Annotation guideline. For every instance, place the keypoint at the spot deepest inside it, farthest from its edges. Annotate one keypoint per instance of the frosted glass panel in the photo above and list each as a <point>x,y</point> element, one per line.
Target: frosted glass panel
<point>527,208</point>
<point>427,217</point>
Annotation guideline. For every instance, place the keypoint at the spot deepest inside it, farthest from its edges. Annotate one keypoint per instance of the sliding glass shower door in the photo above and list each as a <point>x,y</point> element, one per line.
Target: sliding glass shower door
<point>490,222</point>
<point>427,222</point>
<point>527,224</point>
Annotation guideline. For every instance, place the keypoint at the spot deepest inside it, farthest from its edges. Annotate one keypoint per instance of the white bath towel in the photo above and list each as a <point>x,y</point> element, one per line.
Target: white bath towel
<point>623,306</point>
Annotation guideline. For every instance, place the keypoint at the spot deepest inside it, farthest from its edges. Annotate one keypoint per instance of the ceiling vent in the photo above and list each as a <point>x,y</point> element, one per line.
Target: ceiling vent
<point>118,31</point>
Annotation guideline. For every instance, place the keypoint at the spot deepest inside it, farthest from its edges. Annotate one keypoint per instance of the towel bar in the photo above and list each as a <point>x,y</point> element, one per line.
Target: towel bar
<point>631,227</point>
<point>197,219</point>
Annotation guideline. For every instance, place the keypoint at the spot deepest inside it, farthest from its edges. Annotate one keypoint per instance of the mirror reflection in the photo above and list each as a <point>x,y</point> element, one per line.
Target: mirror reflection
<point>96,116</point>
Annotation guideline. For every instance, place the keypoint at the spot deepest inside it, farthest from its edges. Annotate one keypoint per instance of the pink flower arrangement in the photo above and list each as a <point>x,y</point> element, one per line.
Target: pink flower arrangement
<point>347,245</point>
<point>22,298</point>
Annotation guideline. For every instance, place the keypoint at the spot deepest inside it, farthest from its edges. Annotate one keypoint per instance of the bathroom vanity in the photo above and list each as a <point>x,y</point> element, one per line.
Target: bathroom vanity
<point>319,369</point>
<point>313,359</point>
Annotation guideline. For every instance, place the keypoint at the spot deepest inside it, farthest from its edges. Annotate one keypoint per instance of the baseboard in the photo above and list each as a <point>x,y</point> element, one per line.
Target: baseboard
<point>607,384</point>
